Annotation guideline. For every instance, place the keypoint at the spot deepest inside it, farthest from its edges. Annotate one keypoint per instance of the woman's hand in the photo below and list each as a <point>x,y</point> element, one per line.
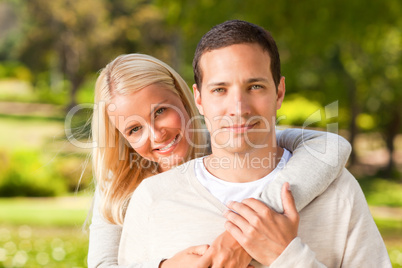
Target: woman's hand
<point>185,258</point>
<point>226,252</point>
<point>261,231</point>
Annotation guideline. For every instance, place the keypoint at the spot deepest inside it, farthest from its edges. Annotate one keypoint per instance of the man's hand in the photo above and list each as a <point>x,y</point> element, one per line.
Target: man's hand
<point>226,252</point>
<point>185,258</point>
<point>261,231</point>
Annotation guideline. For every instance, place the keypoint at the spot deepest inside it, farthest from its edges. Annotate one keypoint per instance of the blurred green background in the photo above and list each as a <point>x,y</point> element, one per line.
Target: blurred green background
<point>342,54</point>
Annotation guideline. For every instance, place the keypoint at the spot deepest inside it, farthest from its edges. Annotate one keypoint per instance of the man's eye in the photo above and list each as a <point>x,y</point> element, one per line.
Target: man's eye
<point>256,87</point>
<point>160,111</point>
<point>135,129</point>
<point>218,90</point>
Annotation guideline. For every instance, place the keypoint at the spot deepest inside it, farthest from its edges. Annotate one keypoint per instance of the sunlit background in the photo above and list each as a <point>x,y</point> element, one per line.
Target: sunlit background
<point>344,53</point>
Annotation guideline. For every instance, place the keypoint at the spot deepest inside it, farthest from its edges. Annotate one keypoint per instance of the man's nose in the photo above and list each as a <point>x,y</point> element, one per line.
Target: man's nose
<point>239,104</point>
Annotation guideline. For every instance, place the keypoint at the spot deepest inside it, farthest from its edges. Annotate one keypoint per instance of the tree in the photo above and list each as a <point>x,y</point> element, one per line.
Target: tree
<point>74,39</point>
<point>330,50</point>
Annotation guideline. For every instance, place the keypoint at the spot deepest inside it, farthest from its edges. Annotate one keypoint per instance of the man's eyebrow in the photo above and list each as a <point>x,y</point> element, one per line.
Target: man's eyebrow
<point>248,81</point>
<point>213,84</point>
<point>257,79</point>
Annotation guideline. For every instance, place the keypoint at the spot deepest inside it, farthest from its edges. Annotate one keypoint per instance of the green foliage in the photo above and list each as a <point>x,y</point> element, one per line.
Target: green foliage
<point>395,254</point>
<point>297,110</point>
<point>44,142</point>
<point>86,91</point>
<point>75,170</point>
<point>382,192</point>
<point>366,122</point>
<point>14,69</point>
<point>391,230</point>
<point>389,227</point>
<point>25,173</point>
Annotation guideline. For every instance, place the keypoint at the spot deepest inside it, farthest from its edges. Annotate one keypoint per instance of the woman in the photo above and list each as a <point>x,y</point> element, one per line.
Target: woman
<point>145,122</point>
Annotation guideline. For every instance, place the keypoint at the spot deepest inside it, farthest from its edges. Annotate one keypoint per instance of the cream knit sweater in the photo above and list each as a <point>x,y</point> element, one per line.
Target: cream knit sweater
<point>173,211</point>
<point>318,158</point>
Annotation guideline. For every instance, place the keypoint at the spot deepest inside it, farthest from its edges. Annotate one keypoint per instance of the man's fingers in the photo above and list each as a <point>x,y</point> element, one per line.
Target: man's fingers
<point>289,206</point>
<point>236,219</point>
<point>198,250</point>
<point>255,204</point>
<point>241,208</point>
<point>234,230</point>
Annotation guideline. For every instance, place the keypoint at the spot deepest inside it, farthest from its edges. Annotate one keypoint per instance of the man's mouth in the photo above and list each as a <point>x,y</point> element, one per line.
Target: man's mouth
<point>241,127</point>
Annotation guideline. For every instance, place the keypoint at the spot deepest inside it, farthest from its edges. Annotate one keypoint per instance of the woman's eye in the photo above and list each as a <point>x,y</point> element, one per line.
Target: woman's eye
<point>135,129</point>
<point>160,111</point>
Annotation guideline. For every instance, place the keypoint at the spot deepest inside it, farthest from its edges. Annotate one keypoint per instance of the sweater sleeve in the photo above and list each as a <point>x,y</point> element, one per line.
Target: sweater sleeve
<point>360,241</point>
<point>104,240</point>
<point>364,245</point>
<point>318,158</point>
<point>296,255</point>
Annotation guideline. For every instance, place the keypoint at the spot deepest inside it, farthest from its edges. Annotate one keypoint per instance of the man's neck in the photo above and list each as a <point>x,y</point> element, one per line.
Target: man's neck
<point>247,167</point>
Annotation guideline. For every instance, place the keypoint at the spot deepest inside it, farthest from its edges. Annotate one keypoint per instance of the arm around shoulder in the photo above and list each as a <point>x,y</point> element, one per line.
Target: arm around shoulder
<point>318,158</point>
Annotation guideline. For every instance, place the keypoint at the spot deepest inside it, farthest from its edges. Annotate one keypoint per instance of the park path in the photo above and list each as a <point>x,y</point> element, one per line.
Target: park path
<point>386,212</point>
<point>30,109</point>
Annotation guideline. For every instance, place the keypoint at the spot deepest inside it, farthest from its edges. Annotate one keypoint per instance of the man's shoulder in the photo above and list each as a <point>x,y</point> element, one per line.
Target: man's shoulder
<point>161,186</point>
<point>173,178</point>
<point>346,187</point>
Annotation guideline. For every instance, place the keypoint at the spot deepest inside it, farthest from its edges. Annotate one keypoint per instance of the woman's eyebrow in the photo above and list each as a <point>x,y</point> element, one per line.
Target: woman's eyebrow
<point>156,106</point>
<point>130,126</point>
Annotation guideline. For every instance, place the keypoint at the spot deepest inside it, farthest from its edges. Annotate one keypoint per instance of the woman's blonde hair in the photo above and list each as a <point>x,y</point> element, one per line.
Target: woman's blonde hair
<point>113,157</point>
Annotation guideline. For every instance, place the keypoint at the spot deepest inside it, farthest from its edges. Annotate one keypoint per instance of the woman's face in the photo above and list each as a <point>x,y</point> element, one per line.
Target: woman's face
<point>153,120</point>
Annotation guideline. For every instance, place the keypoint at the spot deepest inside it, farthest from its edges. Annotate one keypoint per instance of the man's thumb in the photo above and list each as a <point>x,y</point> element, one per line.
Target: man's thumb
<point>289,206</point>
<point>198,250</point>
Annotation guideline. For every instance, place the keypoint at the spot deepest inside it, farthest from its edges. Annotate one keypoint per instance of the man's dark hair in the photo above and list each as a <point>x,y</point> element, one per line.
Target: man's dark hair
<point>237,32</point>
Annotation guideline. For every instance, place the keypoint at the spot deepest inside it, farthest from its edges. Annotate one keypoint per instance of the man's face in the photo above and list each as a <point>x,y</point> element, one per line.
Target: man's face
<point>238,98</point>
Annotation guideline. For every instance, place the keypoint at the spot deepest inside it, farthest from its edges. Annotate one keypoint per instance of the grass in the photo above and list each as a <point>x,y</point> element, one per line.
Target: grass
<point>391,231</point>
<point>43,232</point>
<point>62,211</point>
<point>33,246</point>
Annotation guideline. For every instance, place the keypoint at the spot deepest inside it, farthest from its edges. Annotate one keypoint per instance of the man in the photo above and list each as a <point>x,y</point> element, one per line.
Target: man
<point>238,90</point>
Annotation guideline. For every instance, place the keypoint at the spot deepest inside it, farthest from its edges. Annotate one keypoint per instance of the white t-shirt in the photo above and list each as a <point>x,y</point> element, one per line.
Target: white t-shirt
<point>226,191</point>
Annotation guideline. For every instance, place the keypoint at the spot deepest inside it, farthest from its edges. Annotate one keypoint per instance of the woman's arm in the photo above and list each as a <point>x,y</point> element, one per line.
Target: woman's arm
<point>104,240</point>
<point>318,158</point>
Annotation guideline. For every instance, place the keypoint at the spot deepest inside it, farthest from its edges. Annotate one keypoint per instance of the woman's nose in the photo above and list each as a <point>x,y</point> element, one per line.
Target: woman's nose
<point>158,133</point>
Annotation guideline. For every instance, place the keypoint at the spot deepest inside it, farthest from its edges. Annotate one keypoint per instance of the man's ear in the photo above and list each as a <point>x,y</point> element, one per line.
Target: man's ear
<point>197,99</point>
<point>281,93</point>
